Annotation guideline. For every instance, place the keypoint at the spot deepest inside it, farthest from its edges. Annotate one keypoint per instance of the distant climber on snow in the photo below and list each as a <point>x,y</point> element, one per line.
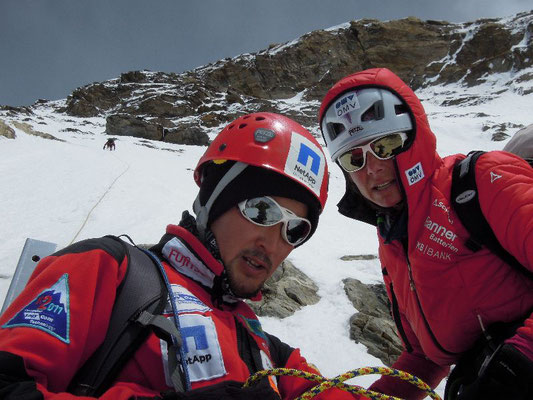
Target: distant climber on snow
<point>110,144</point>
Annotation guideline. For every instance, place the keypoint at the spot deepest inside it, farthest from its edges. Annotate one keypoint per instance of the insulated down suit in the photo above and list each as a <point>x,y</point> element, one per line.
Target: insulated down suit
<point>441,292</point>
<point>223,339</point>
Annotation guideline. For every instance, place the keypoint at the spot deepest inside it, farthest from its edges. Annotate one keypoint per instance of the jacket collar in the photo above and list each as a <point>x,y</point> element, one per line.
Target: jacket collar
<point>197,260</point>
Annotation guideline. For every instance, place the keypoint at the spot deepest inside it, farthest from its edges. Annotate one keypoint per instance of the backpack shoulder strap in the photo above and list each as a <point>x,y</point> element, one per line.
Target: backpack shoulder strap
<point>142,289</point>
<point>465,201</point>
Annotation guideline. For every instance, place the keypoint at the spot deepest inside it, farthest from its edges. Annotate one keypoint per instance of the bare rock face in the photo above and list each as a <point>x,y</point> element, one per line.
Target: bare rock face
<point>422,53</point>
<point>27,128</point>
<point>372,325</point>
<point>128,125</point>
<point>6,131</point>
<point>287,290</point>
<point>191,135</point>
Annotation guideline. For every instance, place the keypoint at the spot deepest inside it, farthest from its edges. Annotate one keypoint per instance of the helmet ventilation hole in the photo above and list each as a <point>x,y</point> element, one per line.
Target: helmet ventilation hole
<point>242,126</point>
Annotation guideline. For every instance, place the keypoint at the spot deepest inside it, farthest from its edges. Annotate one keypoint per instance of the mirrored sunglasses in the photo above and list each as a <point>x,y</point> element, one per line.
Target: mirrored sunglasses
<point>265,211</point>
<point>383,148</point>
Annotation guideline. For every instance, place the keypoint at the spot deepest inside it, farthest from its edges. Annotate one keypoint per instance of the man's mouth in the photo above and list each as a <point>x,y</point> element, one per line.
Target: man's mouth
<point>385,185</point>
<point>254,264</point>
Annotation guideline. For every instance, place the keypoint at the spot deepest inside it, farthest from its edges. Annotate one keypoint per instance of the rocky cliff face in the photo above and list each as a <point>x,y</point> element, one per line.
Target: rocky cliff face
<point>292,78</point>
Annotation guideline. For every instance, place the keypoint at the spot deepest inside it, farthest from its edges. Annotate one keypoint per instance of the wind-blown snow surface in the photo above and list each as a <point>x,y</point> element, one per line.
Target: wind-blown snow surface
<point>66,191</point>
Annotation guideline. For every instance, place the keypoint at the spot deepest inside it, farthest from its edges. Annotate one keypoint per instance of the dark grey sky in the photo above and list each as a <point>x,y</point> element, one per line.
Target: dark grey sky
<point>50,47</point>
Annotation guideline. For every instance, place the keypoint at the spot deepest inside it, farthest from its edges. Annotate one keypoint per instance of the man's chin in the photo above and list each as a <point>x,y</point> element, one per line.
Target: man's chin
<point>242,291</point>
<point>245,294</point>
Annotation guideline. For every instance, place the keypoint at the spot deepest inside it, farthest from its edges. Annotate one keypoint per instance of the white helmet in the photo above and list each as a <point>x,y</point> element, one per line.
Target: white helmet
<point>358,116</point>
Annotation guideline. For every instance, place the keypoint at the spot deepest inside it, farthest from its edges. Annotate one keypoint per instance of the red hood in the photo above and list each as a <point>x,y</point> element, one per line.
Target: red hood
<point>420,159</point>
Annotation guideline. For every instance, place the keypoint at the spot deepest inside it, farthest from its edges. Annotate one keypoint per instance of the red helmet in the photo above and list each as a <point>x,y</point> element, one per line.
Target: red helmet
<point>269,141</point>
<point>274,142</point>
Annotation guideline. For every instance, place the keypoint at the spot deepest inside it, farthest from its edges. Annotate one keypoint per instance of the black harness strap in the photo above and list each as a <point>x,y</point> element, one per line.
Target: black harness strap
<point>142,290</point>
<point>465,201</point>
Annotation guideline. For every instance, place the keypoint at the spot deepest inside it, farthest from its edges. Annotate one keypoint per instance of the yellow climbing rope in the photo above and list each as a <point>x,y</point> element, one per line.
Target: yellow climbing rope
<point>338,381</point>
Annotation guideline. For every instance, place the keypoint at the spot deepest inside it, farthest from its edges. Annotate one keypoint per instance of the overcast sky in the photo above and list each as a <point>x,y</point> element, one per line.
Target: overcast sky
<point>48,48</point>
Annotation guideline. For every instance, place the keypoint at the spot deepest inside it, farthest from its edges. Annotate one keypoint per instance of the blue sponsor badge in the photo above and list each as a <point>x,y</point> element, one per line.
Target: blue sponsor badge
<point>48,312</point>
<point>305,162</point>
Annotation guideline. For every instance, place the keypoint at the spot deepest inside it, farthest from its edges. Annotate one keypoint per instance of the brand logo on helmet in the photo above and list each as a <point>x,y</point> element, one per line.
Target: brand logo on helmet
<point>346,104</point>
<point>355,129</point>
<point>305,162</point>
<point>262,135</point>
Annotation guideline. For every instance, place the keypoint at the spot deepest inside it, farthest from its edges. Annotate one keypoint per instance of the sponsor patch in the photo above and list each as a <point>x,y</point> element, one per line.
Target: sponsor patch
<point>431,252</point>
<point>186,301</point>
<point>446,209</point>
<point>440,230</point>
<point>184,261</point>
<point>415,174</point>
<point>346,104</point>
<point>305,162</point>
<point>203,355</point>
<point>49,311</point>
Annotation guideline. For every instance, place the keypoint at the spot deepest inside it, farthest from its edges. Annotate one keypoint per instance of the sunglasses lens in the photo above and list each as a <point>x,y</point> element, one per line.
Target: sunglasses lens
<point>297,230</point>
<point>262,211</point>
<point>383,148</point>
<point>265,211</point>
<point>352,160</point>
<point>387,146</point>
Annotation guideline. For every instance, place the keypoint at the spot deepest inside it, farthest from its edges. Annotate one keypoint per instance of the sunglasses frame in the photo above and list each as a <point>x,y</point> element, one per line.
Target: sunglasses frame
<point>366,148</point>
<point>286,216</point>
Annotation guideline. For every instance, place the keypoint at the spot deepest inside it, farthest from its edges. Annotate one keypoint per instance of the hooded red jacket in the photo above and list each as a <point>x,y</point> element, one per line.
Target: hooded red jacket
<point>441,291</point>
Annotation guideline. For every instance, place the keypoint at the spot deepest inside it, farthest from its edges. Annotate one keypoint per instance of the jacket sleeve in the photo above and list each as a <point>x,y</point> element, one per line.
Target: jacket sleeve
<point>41,351</point>
<point>415,363</point>
<point>292,387</point>
<point>505,185</point>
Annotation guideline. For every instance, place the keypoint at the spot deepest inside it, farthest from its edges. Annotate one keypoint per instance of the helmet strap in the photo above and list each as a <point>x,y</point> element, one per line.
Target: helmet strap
<point>202,212</point>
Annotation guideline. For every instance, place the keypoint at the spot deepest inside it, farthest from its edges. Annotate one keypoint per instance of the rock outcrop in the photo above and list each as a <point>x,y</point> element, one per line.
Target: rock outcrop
<point>372,325</point>
<point>6,131</point>
<point>287,290</point>
<point>422,53</point>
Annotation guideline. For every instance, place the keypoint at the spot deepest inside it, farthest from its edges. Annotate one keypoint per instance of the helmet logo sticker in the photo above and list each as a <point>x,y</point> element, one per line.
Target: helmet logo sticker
<point>355,129</point>
<point>262,135</point>
<point>415,174</point>
<point>305,162</point>
<point>346,104</point>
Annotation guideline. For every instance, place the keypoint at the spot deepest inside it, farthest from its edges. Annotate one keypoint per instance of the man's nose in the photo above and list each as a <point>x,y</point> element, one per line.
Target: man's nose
<point>270,238</point>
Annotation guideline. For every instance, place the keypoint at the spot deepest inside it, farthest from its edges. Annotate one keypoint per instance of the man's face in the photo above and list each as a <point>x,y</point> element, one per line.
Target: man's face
<point>251,253</point>
<point>377,181</point>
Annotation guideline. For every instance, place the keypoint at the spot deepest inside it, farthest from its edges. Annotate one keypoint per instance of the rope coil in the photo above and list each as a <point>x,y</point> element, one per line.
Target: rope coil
<point>338,381</point>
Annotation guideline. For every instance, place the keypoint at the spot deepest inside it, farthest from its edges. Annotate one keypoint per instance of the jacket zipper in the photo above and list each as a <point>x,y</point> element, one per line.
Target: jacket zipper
<point>415,292</point>
<point>398,320</point>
